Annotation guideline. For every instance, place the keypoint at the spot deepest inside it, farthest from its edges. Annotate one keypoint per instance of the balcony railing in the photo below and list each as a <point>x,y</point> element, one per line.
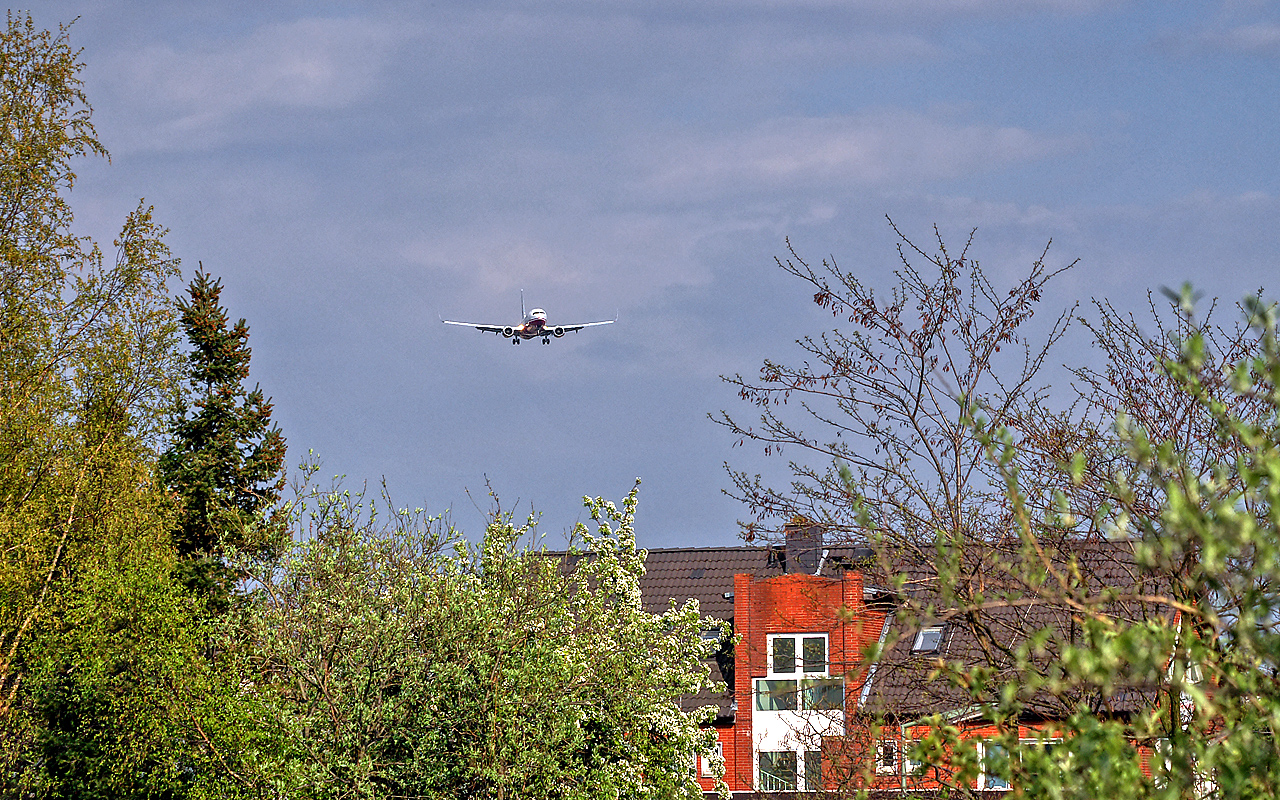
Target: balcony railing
<point>773,782</point>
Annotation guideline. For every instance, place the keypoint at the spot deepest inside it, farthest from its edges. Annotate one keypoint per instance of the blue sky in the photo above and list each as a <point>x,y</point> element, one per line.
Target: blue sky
<point>351,169</point>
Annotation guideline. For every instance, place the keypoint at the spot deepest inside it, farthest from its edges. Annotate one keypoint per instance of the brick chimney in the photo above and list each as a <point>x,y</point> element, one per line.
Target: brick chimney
<point>804,545</point>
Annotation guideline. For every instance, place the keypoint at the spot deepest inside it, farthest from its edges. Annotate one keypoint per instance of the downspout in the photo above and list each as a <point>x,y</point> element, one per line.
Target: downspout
<point>902,758</point>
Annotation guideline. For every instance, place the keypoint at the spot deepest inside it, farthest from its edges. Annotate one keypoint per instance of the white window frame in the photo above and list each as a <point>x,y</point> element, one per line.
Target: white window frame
<point>910,767</point>
<point>799,671</point>
<point>706,771</point>
<point>1026,743</point>
<point>1161,762</point>
<point>799,774</point>
<point>984,748</point>
<point>802,771</point>
<point>801,694</point>
<point>755,698</point>
<point>918,645</point>
<point>891,746</point>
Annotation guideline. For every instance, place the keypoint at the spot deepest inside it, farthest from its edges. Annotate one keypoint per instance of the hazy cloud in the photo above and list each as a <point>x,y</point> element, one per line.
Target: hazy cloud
<point>876,149</point>
<point>189,98</point>
<point>1259,37</point>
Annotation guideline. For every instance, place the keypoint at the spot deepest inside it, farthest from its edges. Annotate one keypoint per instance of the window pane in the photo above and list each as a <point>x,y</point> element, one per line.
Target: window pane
<point>815,654</point>
<point>824,695</point>
<point>778,772</point>
<point>784,654</point>
<point>910,766</point>
<point>996,760</point>
<point>707,771</point>
<point>775,695</point>
<point>813,770</point>
<point>886,758</point>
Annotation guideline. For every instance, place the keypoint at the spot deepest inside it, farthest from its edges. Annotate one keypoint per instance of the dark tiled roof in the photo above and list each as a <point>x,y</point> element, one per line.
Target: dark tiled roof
<point>702,573</point>
<point>900,686</point>
<point>706,573</point>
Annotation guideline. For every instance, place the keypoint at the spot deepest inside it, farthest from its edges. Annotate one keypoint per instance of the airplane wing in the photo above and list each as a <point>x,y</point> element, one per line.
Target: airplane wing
<point>477,325</point>
<point>580,325</point>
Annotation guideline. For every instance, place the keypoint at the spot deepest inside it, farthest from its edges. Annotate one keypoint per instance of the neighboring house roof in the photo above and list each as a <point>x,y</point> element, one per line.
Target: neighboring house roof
<point>900,686</point>
<point>704,574</point>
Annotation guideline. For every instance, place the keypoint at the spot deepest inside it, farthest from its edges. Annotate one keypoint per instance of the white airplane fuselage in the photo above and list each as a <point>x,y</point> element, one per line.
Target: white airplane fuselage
<point>534,326</point>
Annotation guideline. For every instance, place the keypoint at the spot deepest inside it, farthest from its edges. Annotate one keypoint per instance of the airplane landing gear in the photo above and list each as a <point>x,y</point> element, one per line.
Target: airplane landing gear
<point>516,340</point>
<point>546,341</point>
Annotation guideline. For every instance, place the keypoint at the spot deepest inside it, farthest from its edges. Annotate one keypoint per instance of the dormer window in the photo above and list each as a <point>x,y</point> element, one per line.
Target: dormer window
<point>929,639</point>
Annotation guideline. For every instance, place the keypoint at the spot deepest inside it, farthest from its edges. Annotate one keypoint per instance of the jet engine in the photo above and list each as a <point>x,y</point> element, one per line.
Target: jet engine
<point>508,331</point>
<point>558,331</point>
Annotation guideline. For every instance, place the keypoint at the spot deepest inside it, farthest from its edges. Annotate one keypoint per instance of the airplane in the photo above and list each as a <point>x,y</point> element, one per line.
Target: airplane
<point>534,325</point>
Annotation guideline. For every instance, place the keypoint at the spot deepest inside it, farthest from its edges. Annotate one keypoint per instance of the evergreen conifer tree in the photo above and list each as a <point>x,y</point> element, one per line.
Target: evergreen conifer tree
<point>225,462</point>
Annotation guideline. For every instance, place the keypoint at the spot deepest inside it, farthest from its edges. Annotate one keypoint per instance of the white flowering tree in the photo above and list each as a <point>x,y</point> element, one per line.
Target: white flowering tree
<point>400,660</point>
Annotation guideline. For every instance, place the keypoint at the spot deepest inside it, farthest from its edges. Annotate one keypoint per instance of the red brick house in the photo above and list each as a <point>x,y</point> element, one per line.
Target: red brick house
<point>797,693</point>
<point>804,617</point>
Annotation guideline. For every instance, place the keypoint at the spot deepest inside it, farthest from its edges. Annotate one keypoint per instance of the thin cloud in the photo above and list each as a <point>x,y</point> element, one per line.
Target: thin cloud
<point>1259,37</point>
<point>188,99</point>
<point>872,150</point>
<point>770,45</point>
<point>888,8</point>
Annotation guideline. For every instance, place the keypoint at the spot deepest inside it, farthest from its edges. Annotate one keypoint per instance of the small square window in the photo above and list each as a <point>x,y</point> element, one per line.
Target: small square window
<point>928,639</point>
<point>911,766</point>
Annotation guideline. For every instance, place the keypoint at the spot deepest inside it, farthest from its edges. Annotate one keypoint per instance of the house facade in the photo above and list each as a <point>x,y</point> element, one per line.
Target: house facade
<point>797,689</point>
<point>803,618</point>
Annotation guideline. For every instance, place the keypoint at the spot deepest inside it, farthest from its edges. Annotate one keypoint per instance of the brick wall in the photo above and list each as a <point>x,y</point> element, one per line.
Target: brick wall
<point>795,603</point>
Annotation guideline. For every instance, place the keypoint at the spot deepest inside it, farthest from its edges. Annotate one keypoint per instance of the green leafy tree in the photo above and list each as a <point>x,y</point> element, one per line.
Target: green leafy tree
<point>85,346</point>
<point>1207,660</point>
<point>225,461</point>
<point>99,651</point>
